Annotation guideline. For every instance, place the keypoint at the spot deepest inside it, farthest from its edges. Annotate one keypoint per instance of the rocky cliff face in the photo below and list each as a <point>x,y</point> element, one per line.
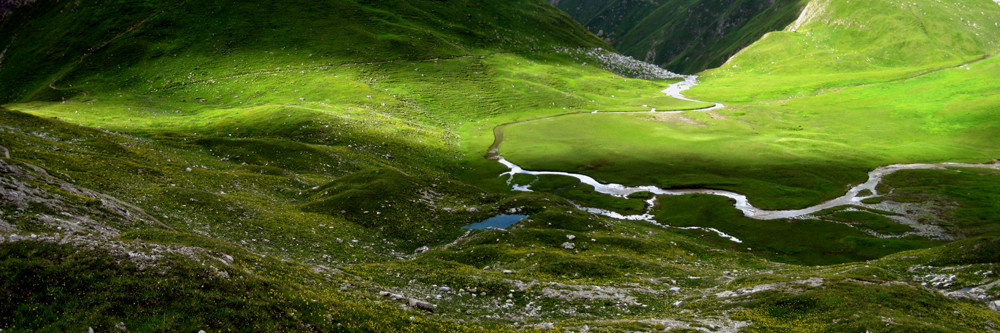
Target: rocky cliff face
<point>682,35</point>
<point>6,6</point>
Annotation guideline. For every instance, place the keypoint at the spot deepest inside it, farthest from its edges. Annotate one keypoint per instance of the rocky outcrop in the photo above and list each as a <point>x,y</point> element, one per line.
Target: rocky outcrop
<point>412,302</point>
<point>35,196</point>
<point>7,6</point>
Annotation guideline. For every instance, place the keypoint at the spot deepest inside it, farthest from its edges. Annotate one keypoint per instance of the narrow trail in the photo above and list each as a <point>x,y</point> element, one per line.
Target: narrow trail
<point>61,75</point>
<point>854,196</point>
<point>314,67</point>
<point>4,52</point>
<point>910,77</point>
<point>133,27</point>
<point>927,72</point>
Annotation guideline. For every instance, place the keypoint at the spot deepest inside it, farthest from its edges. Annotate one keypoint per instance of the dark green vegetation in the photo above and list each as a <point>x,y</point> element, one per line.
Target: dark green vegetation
<point>178,166</point>
<point>800,241</point>
<point>584,195</point>
<point>963,201</point>
<point>56,287</point>
<point>685,36</point>
<point>871,221</point>
<point>154,45</point>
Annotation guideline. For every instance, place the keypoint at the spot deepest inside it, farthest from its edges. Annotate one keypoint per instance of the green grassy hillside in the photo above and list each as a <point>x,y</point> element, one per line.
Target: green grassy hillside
<point>308,166</point>
<point>785,153</point>
<point>164,43</point>
<point>801,124</point>
<point>810,110</point>
<point>686,36</point>
<point>841,44</point>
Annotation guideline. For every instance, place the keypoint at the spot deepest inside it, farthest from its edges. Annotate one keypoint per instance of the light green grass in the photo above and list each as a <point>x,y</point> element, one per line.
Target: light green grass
<point>782,154</point>
<point>798,131</point>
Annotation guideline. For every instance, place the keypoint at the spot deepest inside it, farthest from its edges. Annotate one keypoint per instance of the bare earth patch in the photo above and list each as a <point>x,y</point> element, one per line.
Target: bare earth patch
<point>672,118</point>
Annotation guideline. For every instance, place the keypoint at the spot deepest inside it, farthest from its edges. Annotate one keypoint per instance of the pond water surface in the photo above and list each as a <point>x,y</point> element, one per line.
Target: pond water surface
<point>501,221</point>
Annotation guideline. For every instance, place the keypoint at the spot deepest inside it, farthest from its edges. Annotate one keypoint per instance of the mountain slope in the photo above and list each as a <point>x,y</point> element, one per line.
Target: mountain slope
<point>67,43</point>
<point>686,36</point>
<point>309,166</point>
<point>840,43</point>
<point>271,155</point>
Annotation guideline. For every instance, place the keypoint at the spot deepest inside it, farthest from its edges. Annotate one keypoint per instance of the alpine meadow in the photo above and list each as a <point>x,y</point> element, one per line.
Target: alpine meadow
<point>494,166</point>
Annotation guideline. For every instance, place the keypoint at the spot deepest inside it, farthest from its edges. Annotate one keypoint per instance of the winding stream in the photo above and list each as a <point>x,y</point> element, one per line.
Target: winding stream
<point>853,196</point>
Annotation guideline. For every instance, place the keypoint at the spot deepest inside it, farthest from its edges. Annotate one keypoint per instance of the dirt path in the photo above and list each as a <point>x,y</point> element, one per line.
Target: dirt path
<point>130,29</point>
<point>315,67</point>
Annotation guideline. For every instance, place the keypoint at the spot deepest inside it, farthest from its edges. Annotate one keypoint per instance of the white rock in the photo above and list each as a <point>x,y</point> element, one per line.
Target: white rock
<point>568,245</point>
<point>421,304</point>
<point>545,326</point>
<point>570,237</point>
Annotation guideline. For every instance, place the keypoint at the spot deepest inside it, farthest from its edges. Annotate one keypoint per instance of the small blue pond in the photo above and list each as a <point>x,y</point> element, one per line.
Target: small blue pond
<point>501,221</point>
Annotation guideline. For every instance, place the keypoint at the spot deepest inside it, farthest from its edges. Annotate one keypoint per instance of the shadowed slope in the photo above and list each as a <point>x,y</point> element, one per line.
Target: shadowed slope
<point>685,36</point>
